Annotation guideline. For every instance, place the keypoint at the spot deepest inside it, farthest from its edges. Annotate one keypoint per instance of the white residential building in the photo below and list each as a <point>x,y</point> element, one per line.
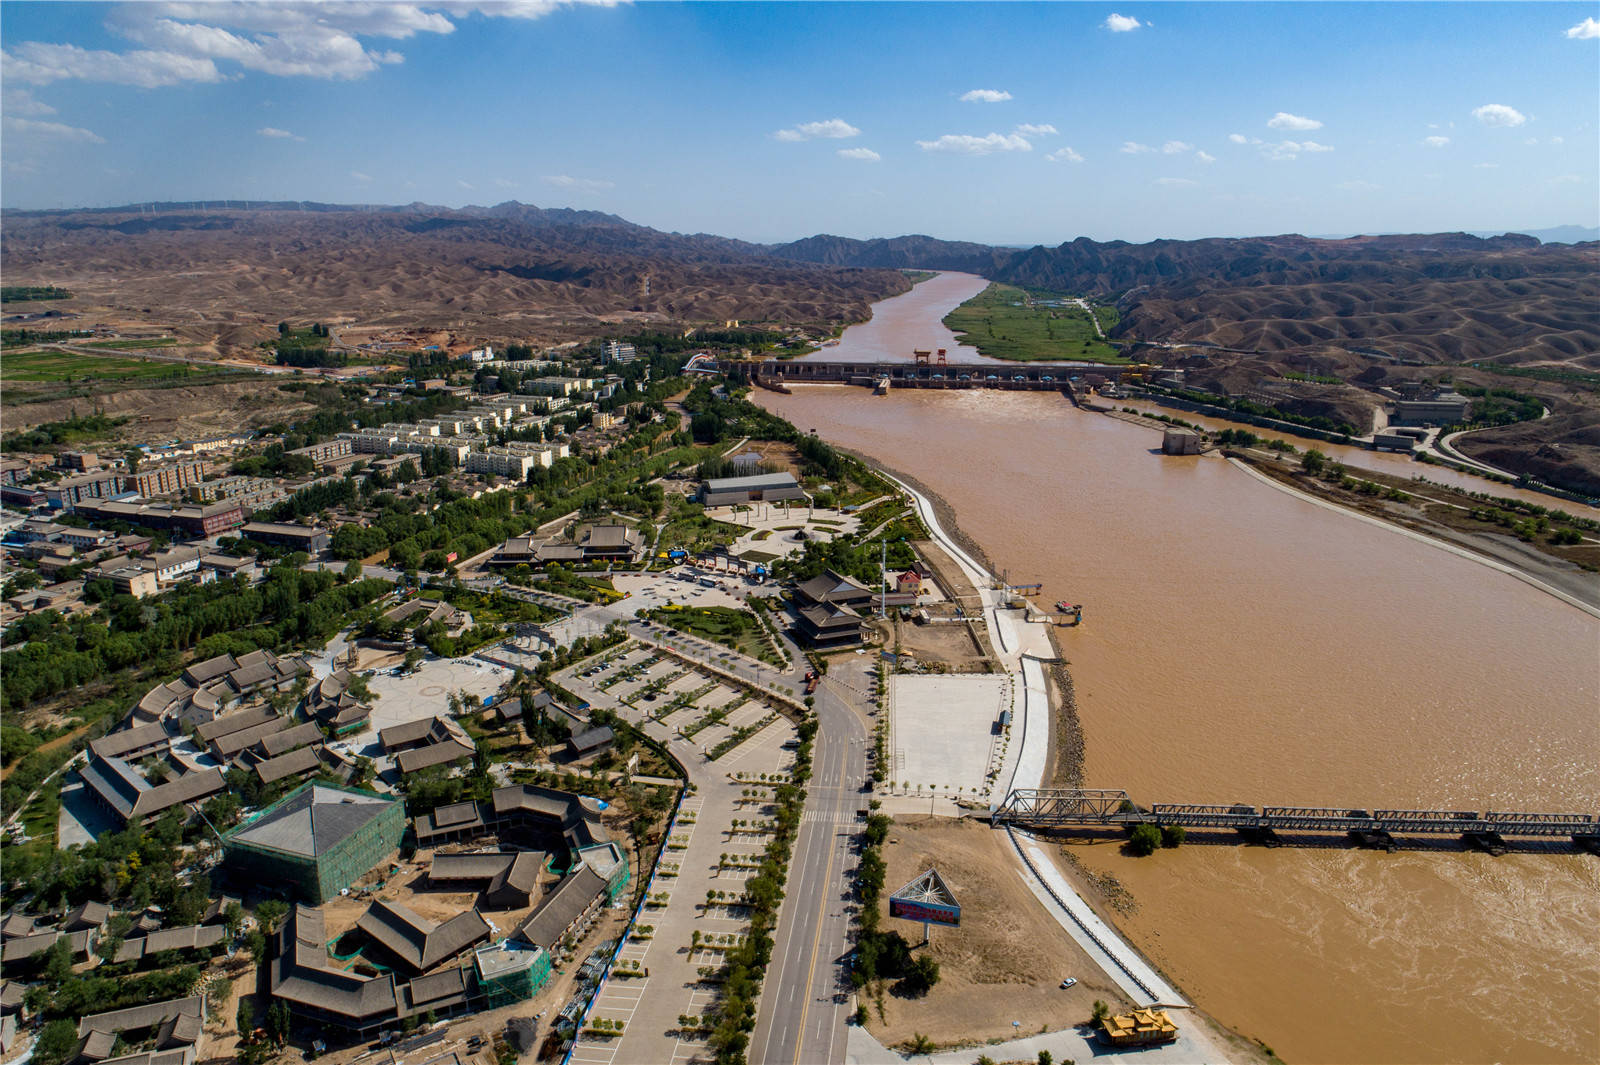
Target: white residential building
<point>502,462</point>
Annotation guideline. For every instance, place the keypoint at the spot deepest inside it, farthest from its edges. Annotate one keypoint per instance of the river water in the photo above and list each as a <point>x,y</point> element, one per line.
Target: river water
<point>1242,645</point>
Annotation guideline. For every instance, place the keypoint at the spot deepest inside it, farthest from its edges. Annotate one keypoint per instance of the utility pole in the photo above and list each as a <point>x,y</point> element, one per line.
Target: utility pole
<point>883,566</point>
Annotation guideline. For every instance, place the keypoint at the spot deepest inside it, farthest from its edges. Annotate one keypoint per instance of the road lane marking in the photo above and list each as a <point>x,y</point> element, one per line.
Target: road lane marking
<point>816,945</point>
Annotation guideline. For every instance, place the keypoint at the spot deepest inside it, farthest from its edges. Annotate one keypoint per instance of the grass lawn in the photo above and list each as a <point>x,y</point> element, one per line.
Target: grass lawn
<point>693,531</point>
<point>132,344</point>
<point>578,586</point>
<point>25,366</point>
<point>1003,322</point>
<point>498,609</point>
<point>726,625</point>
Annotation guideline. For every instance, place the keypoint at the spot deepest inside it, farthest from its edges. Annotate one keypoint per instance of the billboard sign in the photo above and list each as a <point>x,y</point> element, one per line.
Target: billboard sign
<point>927,899</point>
<point>932,913</point>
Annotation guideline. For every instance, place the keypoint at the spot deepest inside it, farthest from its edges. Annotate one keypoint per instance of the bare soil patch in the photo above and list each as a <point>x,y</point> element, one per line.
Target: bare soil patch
<point>1006,961</point>
<point>164,413</point>
<point>947,646</point>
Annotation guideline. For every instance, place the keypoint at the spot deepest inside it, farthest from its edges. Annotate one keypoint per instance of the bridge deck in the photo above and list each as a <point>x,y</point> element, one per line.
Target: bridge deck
<point>1068,806</point>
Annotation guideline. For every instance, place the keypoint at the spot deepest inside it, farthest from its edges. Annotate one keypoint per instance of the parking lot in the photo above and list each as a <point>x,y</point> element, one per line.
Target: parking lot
<point>704,854</point>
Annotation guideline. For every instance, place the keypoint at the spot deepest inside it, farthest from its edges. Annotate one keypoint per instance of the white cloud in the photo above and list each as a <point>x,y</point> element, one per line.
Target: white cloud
<point>1566,179</point>
<point>966,144</point>
<point>832,128</point>
<point>1240,138</point>
<point>1486,166</point>
<point>469,186</point>
<point>1436,141</point>
<point>1587,30</point>
<point>1284,120</point>
<point>278,134</point>
<point>24,128</point>
<point>33,63</point>
<point>567,181</point>
<point>502,183</point>
<point>185,41</point>
<point>1028,129</point>
<point>866,155</point>
<point>1283,151</point>
<point>1176,148</point>
<point>15,101</point>
<point>985,96</point>
<point>1121,23</point>
<point>1205,157</point>
<point>1557,140</point>
<point>1499,115</point>
<point>1134,148</point>
<point>359,176</point>
<point>1064,155</point>
<point>1175,182</point>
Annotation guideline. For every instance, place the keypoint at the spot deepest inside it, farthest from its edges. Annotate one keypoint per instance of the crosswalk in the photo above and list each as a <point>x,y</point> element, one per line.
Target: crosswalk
<point>828,817</point>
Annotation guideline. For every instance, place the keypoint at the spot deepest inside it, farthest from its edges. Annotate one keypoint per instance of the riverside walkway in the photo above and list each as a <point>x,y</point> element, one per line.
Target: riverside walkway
<point>1052,807</point>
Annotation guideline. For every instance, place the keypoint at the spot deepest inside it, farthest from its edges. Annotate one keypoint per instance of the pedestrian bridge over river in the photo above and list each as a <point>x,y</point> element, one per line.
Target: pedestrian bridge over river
<point>1067,807</point>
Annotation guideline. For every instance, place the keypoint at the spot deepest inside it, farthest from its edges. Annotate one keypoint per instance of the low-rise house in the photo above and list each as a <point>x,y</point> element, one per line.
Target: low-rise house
<point>335,706</point>
<point>189,938</point>
<point>279,743</point>
<point>120,789</point>
<point>172,1024</point>
<point>133,743</point>
<point>229,566</point>
<point>89,915</point>
<point>294,537</point>
<point>418,943</point>
<point>227,747</point>
<point>576,898</point>
<point>590,742</point>
<point>299,764</point>
<point>301,975</point>
<point>509,879</point>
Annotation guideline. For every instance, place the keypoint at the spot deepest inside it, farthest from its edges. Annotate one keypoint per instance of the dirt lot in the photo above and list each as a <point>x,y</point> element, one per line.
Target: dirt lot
<point>376,658</point>
<point>941,645</point>
<point>1006,961</point>
<point>782,457</point>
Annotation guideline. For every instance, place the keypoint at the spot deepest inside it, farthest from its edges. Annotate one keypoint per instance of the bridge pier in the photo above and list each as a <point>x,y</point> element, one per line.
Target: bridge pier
<point>1488,842</point>
<point>1259,835</point>
<point>1376,839</point>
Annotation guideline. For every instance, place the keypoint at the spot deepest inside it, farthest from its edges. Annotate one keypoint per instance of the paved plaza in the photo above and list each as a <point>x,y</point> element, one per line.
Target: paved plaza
<point>943,731</point>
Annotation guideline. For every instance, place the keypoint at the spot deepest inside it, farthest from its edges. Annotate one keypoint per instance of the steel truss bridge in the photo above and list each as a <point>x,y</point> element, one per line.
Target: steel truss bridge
<point>1061,807</point>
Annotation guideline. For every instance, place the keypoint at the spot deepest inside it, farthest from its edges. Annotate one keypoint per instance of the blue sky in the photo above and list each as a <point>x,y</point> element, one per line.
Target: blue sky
<point>1002,122</point>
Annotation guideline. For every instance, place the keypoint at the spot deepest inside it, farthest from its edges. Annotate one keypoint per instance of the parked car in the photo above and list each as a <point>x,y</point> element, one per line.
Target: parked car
<point>1070,981</point>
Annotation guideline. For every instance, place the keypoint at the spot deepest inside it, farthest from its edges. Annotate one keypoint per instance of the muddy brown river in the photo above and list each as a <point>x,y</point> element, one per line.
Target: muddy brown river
<point>1242,645</point>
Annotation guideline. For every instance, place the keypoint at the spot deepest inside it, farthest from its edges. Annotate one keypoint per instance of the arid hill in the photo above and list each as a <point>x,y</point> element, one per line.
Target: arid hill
<point>511,271</point>
<point>1439,298</point>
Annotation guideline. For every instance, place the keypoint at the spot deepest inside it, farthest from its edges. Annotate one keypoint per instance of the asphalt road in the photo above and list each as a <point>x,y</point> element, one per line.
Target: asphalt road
<point>805,1000</point>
